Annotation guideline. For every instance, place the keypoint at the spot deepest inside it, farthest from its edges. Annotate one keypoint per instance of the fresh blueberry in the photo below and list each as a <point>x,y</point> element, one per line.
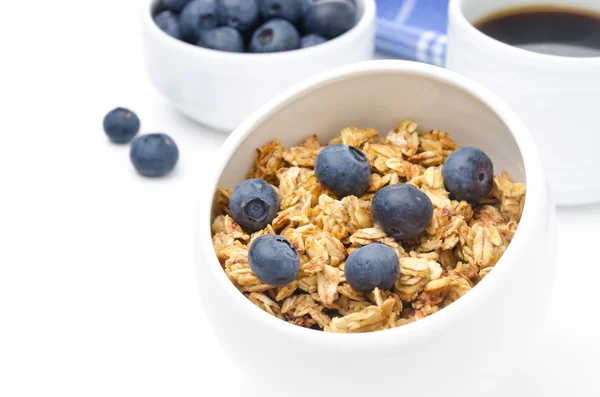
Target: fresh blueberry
<point>372,266</point>
<point>154,155</point>
<point>402,211</point>
<point>173,5</point>
<point>196,17</point>
<point>254,204</point>
<point>274,260</point>
<point>344,170</point>
<point>329,18</point>
<point>311,40</point>
<point>242,15</point>
<point>286,9</point>
<point>121,125</point>
<point>468,174</point>
<point>223,38</point>
<point>168,22</point>
<point>275,36</point>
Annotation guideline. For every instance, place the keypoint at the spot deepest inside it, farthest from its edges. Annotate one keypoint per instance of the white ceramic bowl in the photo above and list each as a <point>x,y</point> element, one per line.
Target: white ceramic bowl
<point>466,347</point>
<point>221,89</point>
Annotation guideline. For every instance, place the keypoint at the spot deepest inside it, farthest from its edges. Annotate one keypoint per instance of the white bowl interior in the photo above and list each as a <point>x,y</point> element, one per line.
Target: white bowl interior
<point>381,101</point>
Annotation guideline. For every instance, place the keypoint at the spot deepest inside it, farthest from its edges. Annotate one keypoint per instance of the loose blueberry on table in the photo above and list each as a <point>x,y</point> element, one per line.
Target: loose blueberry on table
<point>121,125</point>
<point>262,26</point>
<point>254,204</point>
<point>274,260</point>
<point>154,155</point>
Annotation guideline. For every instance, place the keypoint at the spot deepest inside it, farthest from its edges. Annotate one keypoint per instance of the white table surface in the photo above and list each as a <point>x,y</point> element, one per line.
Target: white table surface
<point>97,288</point>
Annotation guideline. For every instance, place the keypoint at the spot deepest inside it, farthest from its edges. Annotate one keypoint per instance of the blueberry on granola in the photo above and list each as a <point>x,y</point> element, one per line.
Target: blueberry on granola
<point>196,17</point>
<point>372,266</point>
<point>274,260</point>
<point>468,174</point>
<point>254,204</point>
<point>121,125</point>
<point>344,170</point>
<point>275,36</point>
<point>222,38</point>
<point>402,211</point>
<point>154,155</point>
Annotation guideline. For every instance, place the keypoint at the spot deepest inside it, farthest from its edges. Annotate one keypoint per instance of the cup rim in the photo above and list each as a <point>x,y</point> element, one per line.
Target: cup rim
<point>456,15</point>
<point>362,26</point>
<point>533,212</point>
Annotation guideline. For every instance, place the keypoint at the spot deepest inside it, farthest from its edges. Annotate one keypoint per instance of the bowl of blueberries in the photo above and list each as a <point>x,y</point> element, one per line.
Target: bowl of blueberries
<point>482,334</point>
<point>217,61</point>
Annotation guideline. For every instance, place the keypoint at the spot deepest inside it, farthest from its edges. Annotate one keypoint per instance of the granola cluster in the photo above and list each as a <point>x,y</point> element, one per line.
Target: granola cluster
<point>458,249</point>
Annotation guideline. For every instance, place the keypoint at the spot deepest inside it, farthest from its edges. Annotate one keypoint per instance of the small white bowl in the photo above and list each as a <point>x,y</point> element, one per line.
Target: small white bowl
<point>221,89</point>
<point>465,348</point>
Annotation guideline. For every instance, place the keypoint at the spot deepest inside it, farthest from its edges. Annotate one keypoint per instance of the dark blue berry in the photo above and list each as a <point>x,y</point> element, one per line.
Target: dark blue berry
<point>468,174</point>
<point>168,22</point>
<point>329,18</point>
<point>274,260</point>
<point>196,17</point>
<point>242,15</point>
<point>286,9</point>
<point>275,36</point>
<point>154,155</point>
<point>402,211</point>
<point>223,38</point>
<point>311,40</point>
<point>121,125</point>
<point>254,204</point>
<point>372,266</point>
<point>344,170</point>
<point>173,5</point>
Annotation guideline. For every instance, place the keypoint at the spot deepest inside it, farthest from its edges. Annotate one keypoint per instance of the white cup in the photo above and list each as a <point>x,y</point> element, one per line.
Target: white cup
<point>557,97</point>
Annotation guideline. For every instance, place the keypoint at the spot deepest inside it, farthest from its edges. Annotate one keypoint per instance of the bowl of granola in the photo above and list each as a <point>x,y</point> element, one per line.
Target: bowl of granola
<point>382,226</point>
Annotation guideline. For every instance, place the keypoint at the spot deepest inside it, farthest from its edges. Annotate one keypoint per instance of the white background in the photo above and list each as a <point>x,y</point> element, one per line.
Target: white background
<point>97,285</point>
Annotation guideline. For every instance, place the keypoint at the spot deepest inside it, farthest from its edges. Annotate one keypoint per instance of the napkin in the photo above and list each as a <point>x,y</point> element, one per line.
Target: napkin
<point>413,29</point>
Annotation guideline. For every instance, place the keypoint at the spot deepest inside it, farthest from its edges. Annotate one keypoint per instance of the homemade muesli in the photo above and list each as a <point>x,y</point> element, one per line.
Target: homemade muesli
<point>458,248</point>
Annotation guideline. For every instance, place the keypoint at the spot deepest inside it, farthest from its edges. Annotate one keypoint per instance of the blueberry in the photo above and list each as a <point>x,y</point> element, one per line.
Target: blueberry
<point>286,9</point>
<point>329,18</point>
<point>154,155</point>
<point>239,14</point>
<point>173,5</point>
<point>168,22</point>
<point>372,266</point>
<point>254,204</point>
<point>468,174</point>
<point>275,36</point>
<point>274,260</point>
<point>402,211</point>
<point>121,125</point>
<point>196,17</point>
<point>344,170</point>
<point>311,40</point>
<point>223,38</point>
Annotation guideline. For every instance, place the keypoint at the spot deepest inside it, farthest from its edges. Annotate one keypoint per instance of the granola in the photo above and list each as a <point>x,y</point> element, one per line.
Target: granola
<point>458,249</point>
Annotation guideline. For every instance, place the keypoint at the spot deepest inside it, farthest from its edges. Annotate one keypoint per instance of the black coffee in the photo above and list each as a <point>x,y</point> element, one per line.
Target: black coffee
<point>549,30</point>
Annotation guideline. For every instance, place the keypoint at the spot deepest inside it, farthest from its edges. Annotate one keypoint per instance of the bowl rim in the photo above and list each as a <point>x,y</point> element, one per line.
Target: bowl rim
<point>362,27</point>
<point>533,213</point>
<point>457,16</point>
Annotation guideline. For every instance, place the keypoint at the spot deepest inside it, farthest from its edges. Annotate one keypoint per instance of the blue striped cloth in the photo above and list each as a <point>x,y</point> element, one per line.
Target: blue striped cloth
<point>413,29</point>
